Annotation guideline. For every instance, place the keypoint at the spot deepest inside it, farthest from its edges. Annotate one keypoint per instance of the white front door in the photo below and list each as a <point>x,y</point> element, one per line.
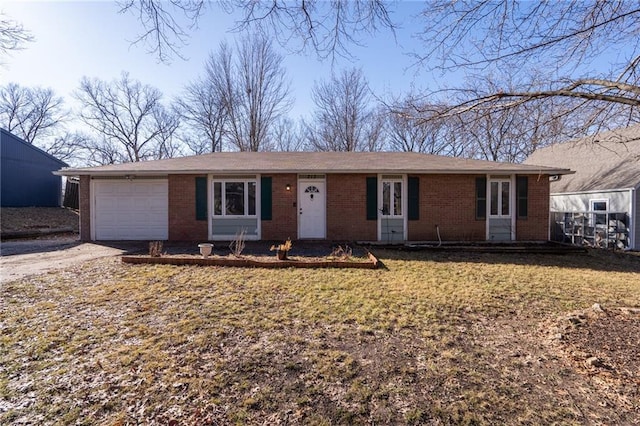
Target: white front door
<point>312,208</point>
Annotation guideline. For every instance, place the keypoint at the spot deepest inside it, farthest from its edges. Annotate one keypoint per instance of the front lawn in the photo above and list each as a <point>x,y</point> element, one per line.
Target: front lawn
<point>436,338</point>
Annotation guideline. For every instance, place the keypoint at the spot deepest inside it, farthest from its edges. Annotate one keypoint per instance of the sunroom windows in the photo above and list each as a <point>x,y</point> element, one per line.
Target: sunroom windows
<point>234,198</point>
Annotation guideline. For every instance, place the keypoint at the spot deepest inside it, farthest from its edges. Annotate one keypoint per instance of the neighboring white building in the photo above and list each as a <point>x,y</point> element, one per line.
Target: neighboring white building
<point>600,201</point>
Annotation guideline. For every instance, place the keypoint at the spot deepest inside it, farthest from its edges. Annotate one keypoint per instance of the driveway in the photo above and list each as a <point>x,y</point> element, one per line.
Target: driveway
<point>21,258</point>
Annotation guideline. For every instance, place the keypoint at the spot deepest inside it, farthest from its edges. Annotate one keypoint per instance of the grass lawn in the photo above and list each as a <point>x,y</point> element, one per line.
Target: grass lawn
<point>437,338</point>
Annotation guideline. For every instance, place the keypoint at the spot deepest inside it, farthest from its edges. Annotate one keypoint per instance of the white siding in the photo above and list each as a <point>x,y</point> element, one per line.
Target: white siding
<point>619,201</point>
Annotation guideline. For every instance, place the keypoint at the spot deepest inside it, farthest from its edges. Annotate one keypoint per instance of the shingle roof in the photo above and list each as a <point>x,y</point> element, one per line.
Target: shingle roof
<point>311,162</point>
<point>609,160</point>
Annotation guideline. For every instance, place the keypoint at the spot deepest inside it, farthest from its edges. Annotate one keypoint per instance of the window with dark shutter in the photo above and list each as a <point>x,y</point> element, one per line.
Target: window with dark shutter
<point>201,198</point>
<point>265,198</point>
<point>481,198</point>
<point>413,189</point>
<point>522,196</point>
<point>372,198</point>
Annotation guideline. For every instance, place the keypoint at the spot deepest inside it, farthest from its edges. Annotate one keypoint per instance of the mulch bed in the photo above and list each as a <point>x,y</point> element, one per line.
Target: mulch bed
<point>257,261</point>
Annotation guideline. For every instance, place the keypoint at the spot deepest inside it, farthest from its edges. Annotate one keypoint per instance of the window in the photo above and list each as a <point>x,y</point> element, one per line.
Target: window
<point>391,198</point>
<point>234,198</point>
<point>599,206</point>
<point>499,197</point>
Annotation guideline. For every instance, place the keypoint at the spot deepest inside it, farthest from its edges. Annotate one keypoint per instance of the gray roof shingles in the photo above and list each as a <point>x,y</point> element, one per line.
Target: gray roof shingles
<point>609,160</point>
<point>311,162</point>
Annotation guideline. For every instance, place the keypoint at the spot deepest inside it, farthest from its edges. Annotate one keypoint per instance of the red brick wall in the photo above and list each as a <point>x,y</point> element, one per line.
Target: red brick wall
<point>347,209</point>
<point>183,225</point>
<point>449,202</point>
<point>85,208</point>
<point>536,226</point>
<point>445,200</point>
<point>284,213</point>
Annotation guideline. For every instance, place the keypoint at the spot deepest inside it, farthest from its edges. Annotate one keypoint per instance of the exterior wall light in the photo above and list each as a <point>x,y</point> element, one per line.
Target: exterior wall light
<point>288,187</point>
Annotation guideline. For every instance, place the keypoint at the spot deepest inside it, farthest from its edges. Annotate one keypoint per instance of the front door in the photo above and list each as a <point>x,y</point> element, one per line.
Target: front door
<point>312,208</point>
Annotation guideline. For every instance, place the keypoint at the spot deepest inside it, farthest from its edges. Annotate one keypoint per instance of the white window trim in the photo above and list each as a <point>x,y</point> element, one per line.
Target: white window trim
<point>382,178</point>
<point>511,204</point>
<point>392,198</point>
<point>592,216</point>
<point>219,237</point>
<point>246,198</point>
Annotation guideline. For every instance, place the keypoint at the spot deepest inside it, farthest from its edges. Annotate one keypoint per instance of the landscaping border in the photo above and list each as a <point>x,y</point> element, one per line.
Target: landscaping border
<point>373,262</point>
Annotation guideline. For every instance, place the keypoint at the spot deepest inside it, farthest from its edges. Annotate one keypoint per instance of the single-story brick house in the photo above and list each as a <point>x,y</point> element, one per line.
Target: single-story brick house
<point>386,197</point>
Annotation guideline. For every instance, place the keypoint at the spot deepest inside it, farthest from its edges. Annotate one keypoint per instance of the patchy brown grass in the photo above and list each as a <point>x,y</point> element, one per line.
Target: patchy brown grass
<point>433,338</point>
<point>25,219</point>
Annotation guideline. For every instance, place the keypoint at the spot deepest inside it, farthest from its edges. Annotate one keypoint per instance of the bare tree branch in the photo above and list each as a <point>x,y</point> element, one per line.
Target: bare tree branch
<point>13,36</point>
<point>327,28</point>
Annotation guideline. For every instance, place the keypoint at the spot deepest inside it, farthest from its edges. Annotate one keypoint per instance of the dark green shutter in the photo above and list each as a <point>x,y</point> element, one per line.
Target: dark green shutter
<point>265,198</point>
<point>413,190</point>
<point>481,198</point>
<point>201,198</point>
<point>372,198</point>
<point>522,190</point>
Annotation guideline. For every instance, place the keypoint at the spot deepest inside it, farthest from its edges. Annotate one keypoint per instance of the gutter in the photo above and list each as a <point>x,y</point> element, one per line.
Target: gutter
<point>86,172</point>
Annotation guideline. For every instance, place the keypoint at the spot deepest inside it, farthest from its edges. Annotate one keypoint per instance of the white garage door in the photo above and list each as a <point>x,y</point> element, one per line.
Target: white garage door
<point>131,209</point>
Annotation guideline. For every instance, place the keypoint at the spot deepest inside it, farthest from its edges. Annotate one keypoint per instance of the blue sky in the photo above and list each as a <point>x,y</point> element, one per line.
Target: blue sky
<point>90,38</point>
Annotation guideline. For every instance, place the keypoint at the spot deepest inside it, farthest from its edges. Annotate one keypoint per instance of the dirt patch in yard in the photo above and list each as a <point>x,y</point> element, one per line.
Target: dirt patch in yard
<point>15,220</point>
<point>604,346</point>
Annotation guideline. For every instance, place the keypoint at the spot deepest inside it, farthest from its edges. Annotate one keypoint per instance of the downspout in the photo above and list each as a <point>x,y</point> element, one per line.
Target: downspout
<point>487,207</point>
<point>512,206</point>
<point>633,217</point>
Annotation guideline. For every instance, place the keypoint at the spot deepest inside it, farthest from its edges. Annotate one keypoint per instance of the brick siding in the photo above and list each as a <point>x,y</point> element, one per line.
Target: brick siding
<point>449,202</point>
<point>347,209</point>
<point>536,226</point>
<point>445,200</point>
<point>183,225</point>
<point>284,213</point>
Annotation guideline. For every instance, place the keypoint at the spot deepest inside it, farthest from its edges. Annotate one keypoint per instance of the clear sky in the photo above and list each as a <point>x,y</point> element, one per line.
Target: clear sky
<point>90,38</point>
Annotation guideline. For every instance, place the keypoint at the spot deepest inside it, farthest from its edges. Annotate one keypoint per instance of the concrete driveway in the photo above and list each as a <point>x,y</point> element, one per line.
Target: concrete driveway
<point>20,258</point>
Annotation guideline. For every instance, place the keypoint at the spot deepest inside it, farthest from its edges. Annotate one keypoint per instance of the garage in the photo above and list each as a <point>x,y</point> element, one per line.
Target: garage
<point>130,209</point>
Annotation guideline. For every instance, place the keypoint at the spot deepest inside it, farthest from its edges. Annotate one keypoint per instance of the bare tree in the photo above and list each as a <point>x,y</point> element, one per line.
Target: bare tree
<point>287,136</point>
<point>13,36</point>
<point>409,131</point>
<point>566,39</point>
<point>203,112</point>
<point>30,113</point>
<point>344,119</point>
<point>563,39</point>
<point>326,28</point>
<point>129,119</point>
<point>253,88</point>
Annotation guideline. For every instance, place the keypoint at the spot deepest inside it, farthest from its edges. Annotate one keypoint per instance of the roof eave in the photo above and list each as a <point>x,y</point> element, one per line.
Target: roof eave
<point>106,173</point>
